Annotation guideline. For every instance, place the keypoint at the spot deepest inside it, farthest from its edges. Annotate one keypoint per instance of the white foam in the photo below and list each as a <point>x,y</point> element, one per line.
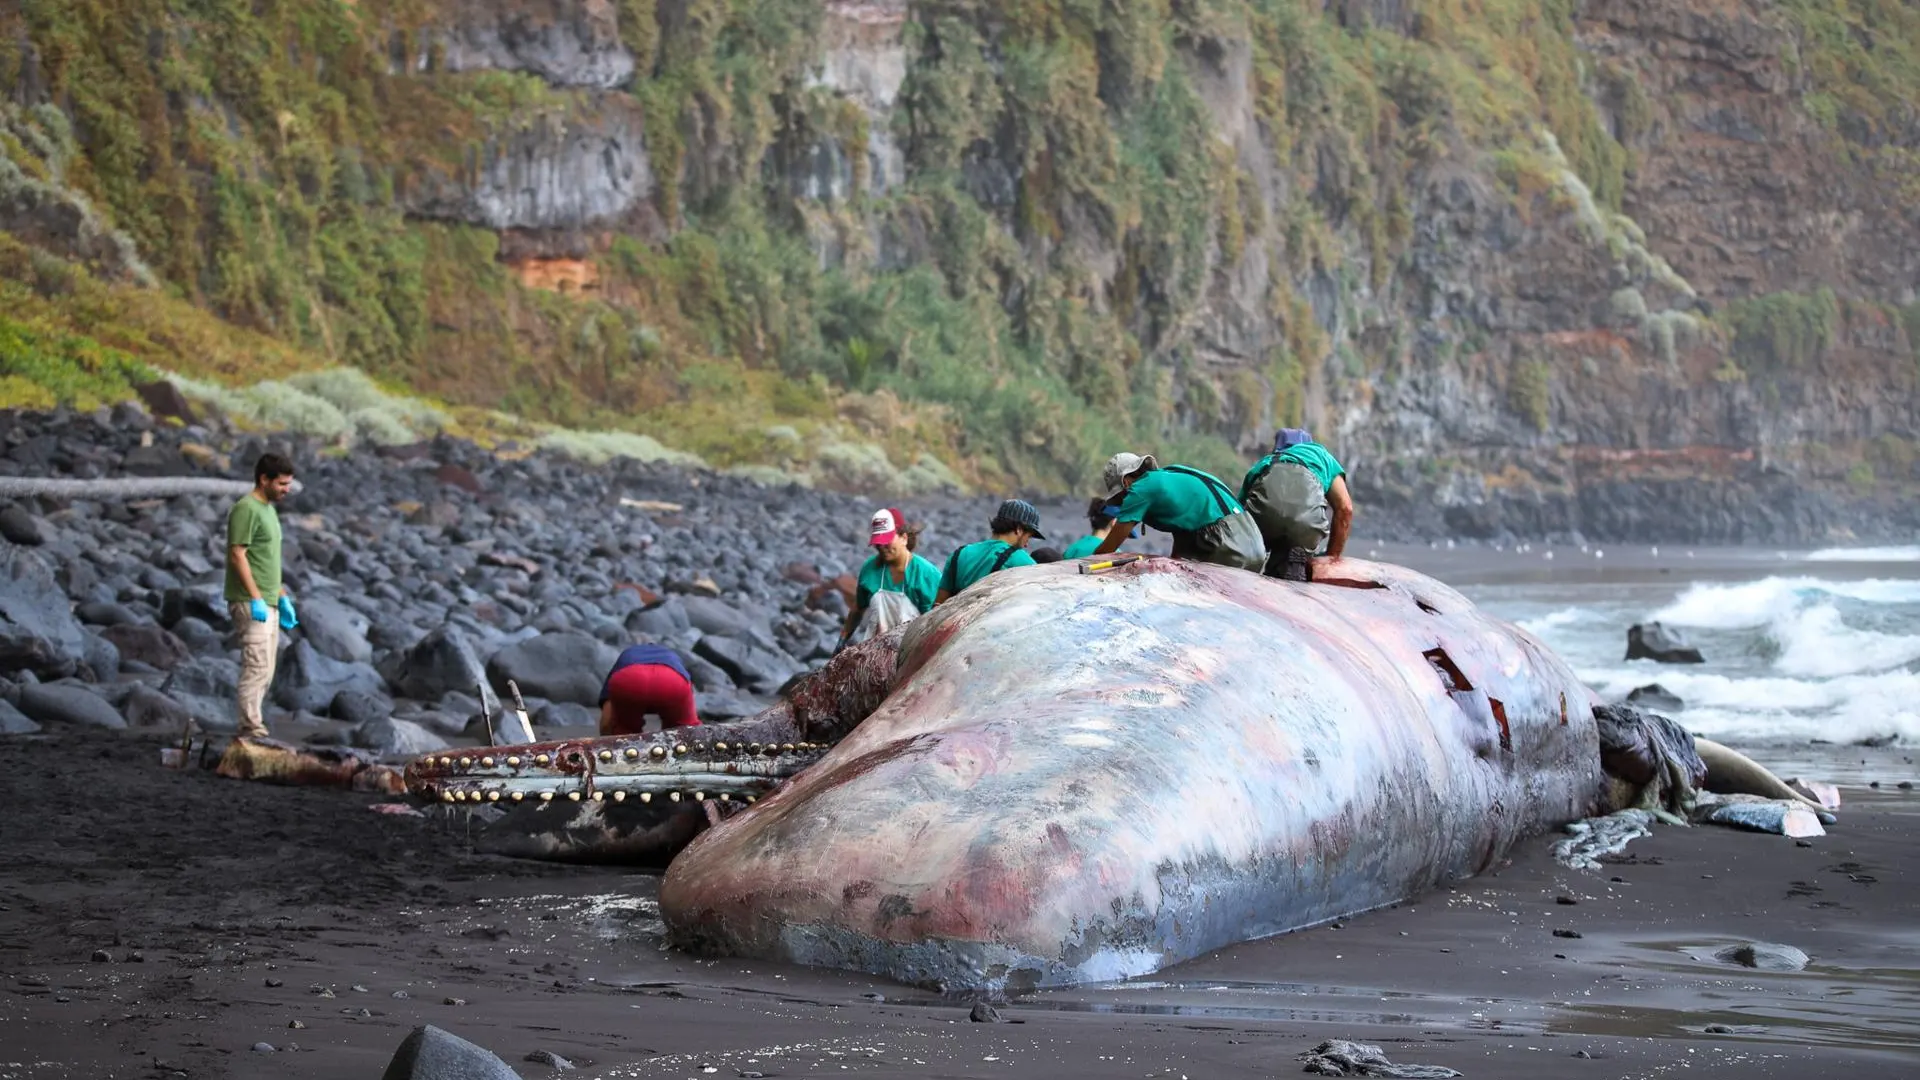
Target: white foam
<point>1843,709</point>
<point>1553,620</point>
<point>1816,643</point>
<point>1757,603</point>
<point>1866,554</point>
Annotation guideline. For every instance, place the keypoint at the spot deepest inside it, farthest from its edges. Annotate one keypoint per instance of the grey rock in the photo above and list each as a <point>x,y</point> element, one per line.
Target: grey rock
<point>105,613</point>
<point>149,644</point>
<point>711,615</point>
<point>550,1059</point>
<point>432,1054</point>
<point>307,680</point>
<point>1656,641</point>
<point>70,704</point>
<point>706,677</point>
<point>15,722</point>
<point>440,663</point>
<point>38,632</point>
<point>359,706</point>
<point>567,666</point>
<point>102,659</point>
<point>758,669</point>
<point>337,631</point>
<point>1655,698</point>
<point>206,687</point>
<point>21,527</point>
<point>198,636</point>
<point>565,714</point>
<point>1763,956</point>
<point>664,621</point>
<point>726,705</point>
<point>204,604</point>
<point>149,708</point>
<point>391,738</point>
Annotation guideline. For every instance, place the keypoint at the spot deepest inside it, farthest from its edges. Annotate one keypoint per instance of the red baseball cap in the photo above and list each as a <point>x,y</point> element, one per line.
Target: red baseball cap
<point>886,525</point>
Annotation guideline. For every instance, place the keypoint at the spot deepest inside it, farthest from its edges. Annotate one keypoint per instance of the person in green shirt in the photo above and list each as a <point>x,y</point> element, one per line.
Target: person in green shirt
<point>1207,522</point>
<point>892,568</point>
<point>1298,496</point>
<point>1099,519</point>
<point>1015,523</point>
<point>253,574</point>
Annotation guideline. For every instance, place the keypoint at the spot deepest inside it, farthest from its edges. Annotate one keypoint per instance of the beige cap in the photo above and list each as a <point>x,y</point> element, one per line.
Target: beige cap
<point>1122,465</point>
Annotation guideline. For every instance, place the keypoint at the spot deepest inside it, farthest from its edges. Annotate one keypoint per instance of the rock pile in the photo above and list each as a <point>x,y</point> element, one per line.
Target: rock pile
<point>426,577</point>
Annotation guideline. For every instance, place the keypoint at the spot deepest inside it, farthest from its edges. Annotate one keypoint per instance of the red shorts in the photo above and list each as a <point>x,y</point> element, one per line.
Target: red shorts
<point>639,689</point>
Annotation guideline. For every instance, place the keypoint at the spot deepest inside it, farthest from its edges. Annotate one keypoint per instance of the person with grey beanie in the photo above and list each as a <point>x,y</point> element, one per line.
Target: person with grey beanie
<point>1207,522</point>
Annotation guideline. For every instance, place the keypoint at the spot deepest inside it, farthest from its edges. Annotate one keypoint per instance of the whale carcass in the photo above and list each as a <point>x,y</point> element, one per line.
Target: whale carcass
<point>1063,777</point>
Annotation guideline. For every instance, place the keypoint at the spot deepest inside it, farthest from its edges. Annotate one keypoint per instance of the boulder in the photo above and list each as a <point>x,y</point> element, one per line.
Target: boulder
<point>713,616</point>
<point>391,738</point>
<point>21,527</point>
<point>102,659</point>
<point>1763,956</point>
<point>567,666</point>
<point>432,1054</point>
<point>38,632</point>
<point>1655,641</point>
<point>664,621</point>
<point>149,644</point>
<point>68,704</point>
<point>758,669</point>
<point>204,604</point>
<point>1655,698</point>
<point>165,399</point>
<point>440,663</point>
<point>566,714</point>
<point>198,636</point>
<point>719,705</point>
<point>106,613</point>
<point>15,722</point>
<point>205,686</point>
<point>307,680</point>
<point>357,707</point>
<point>146,707</point>
<point>336,630</point>
<point>706,677</point>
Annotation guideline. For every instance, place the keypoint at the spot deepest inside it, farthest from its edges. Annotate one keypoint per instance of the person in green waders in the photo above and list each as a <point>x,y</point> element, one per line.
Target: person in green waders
<point>892,568</point>
<point>1100,520</point>
<point>1207,522</point>
<point>1015,523</point>
<point>1298,496</point>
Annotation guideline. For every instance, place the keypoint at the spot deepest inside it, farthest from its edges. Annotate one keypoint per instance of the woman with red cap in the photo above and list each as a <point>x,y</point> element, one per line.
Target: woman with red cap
<point>892,568</point>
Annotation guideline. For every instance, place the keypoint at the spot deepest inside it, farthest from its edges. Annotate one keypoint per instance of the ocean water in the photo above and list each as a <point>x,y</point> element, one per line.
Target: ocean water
<point>1800,646</point>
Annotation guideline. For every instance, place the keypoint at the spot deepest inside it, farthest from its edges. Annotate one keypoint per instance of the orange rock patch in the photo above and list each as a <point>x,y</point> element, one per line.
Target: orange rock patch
<point>557,275</point>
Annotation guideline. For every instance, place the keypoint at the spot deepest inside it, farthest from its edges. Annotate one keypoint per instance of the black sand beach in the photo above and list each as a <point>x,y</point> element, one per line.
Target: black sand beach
<point>158,922</point>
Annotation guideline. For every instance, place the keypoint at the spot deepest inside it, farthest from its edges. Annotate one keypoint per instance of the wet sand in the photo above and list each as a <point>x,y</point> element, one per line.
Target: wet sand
<point>251,908</point>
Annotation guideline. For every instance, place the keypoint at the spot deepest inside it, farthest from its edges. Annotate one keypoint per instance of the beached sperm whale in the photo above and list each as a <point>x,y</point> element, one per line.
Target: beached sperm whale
<point>1061,777</point>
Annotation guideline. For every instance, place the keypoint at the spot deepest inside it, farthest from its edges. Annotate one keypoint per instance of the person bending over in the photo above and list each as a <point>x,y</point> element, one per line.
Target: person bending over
<point>1207,522</point>
<point>1013,525</point>
<point>646,679</point>
<point>1298,496</point>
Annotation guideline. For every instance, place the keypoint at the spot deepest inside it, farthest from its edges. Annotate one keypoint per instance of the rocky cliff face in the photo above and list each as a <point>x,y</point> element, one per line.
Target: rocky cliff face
<point>1638,268</point>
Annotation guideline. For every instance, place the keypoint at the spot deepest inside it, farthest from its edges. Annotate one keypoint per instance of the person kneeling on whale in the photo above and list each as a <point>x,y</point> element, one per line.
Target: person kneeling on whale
<point>647,679</point>
<point>1015,523</point>
<point>1207,522</point>
<point>1298,496</point>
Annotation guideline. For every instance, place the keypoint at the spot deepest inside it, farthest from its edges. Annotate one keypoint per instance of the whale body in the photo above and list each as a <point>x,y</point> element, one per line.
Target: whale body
<point>1080,777</point>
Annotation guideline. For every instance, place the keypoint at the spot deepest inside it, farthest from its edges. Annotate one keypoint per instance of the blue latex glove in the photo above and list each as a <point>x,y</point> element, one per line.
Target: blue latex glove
<point>288,620</point>
<point>259,610</point>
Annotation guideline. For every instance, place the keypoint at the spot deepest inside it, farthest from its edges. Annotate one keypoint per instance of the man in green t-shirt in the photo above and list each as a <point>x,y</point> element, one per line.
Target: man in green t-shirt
<point>1015,523</point>
<point>1100,520</point>
<point>1207,522</point>
<point>1298,495</point>
<point>892,568</point>
<point>253,574</point>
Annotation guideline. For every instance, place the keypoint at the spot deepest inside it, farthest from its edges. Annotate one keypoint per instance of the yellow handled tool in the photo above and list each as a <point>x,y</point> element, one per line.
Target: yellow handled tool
<point>1117,560</point>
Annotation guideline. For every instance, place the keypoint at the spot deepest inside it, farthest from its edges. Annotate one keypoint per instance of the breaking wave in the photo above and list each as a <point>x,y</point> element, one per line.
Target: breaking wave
<point>1866,554</point>
<point>1757,603</point>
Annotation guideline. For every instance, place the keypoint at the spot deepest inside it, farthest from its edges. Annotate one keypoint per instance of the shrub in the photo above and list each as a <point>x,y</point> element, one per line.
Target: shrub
<point>600,447</point>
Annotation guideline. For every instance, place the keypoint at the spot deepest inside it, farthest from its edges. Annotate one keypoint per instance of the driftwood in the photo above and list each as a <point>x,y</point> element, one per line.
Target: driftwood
<point>118,488</point>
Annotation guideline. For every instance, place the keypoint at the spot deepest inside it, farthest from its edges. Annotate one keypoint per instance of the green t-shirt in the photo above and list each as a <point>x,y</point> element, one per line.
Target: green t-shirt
<point>1175,501</point>
<point>975,561</point>
<point>1082,547</point>
<point>921,582</point>
<point>254,525</point>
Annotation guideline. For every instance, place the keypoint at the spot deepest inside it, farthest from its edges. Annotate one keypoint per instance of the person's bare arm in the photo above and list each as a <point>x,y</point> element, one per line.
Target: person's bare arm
<point>237,556</point>
<point>941,597</point>
<point>1116,535</point>
<point>1342,516</point>
<point>606,717</point>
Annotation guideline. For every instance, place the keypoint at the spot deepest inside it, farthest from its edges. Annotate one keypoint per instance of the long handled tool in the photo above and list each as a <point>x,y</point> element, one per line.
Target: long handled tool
<point>519,729</point>
<point>1117,560</point>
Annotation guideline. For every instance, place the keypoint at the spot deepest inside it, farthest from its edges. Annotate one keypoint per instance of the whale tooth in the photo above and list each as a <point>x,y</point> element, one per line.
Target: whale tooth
<point>518,795</point>
<point>541,759</point>
<point>546,796</point>
<point>674,795</point>
<point>619,796</point>
<point>599,796</point>
<point>720,746</point>
<point>573,796</point>
<point>699,796</point>
<point>646,796</point>
<point>493,796</point>
<point>514,761</point>
<point>466,763</point>
<point>724,797</point>
<point>446,796</point>
<point>787,747</point>
<point>752,799</point>
<point>657,753</point>
<point>679,749</point>
<point>446,763</point>
<point>606,755</point>
<point>486,763</point>
<point>753,748</point>
<point>632,754</point>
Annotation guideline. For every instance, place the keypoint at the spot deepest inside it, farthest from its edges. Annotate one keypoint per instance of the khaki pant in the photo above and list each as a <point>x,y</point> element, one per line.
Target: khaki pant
<point>259,648</point>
